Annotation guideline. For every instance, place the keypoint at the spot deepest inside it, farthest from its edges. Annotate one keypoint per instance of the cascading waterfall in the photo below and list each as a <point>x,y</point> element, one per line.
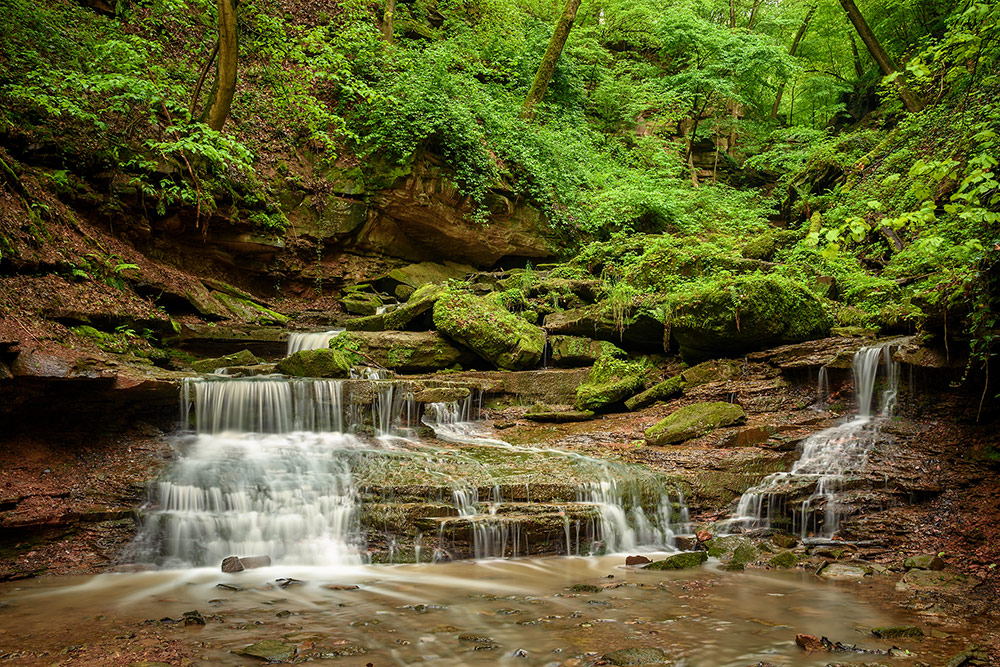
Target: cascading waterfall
<point>317,340</point>
<point>828,458</point>
<point>299,469</point>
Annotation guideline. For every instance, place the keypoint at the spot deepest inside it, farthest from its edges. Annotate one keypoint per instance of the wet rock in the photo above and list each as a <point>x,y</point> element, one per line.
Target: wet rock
<point>693,421</point>
<point>442,395</point>
<point>146,663</point>
<point>316,363</point>
<point>270,650</point>
<point>443,629</point>
<point>585,588</point>
<point>610,382</point>
<point>540,412</point>
<point>637,560</point>
<point>574,351</point>
<point>923,580</point>
<point>663,391</point>
<point>341,587</point>
<point>402,351</point>
<point>285,582</point>
<point>843,572</point>
<point>784,560</point>
<point>519,653</point>
<point>233,564</point>
<point>472,638</point>
<point>809,643</point>
<point>682,561</point>
<point>241,358</point>
<point>972,656</point>
<point>924,562</point>
<point>193,618</point>
<point>715,370</point>
<point>744,554</point>
<point>784,540</point>
<point>299,637</point>
<point>829,352</point>
<point>636,656</point>
<point>489,330</point>
<point>326,653</point>
<point>746,313</point>
<point>898,631</point>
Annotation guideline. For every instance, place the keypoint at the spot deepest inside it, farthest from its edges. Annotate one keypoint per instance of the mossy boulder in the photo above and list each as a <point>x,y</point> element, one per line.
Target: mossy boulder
<point>316,364</point>
<point>663,391</point>
<point>682,561</point>
<point>731,316</point>
<point>784,560</point>
<point>636,656</point>
<point>632,327</point>
<point>924,562</point>
<point>574,351</point>
<point>610,382</point>
<point>489,330</point>
<point>693,421</point>
<point>741,556</point>
<point>406,315</point>
<point>241,358</point>
<point>415,276</point>
<point>361,303</point>
<point>715,370</point>
<point>402,351</point>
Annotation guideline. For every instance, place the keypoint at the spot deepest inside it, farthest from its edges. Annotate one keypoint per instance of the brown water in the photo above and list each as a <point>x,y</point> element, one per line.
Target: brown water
<point>408,614</point>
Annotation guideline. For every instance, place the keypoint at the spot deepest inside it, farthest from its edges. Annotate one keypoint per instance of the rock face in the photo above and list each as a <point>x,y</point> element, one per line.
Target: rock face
<point>693,421</point>
<point>402,351</point>
<point>681,561</point>
<point>610,382</point>
<point>636,329</point>
<point>316,364</point>
<point>745,314</point>
<point>489,330</point>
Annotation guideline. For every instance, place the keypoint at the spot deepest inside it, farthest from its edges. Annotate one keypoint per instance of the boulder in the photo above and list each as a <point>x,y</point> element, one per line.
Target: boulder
<point>414,276</point>
<point>402,351</point>
<point>636,656</point>
<point>924,562</point>
<point>809,643</point>
<point>575,351</point>
<point>784,560</point>
<point>682,561</point>
<point>420,302</point>
<point>489,330</point>
<point>743,314</point>
<point>610,382</point>
<point>844,572</point>
<point>637,560</point>
<point>241,358</point>
<point>316,363</point>
<point>716,370</point>
<point>663,391</point>
<point>633,329</point>
<point>361,303</point>
<point>741,556</point>
<point>693,421</point>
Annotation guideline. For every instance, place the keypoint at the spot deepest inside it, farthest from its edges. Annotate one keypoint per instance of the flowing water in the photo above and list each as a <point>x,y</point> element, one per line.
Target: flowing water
<point>317,340</point>
<point>828,460</point>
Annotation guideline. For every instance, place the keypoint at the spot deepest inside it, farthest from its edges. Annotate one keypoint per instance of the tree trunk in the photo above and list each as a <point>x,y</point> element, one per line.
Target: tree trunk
<point>222,99</point>
<point>387,17</point>
<point>795,47</point>
<point>753,14</point>
<point>859,69</point>
<point>885,63</point>
<point>549,60</point>
<point>732,14</point>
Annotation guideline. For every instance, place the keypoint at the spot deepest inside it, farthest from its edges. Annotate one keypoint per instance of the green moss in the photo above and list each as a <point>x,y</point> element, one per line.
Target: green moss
<point>241,358</point>
<point>663,391</point>
<point>420,301</point>
<point>249,311</point>
<point>681,561</point>
<point>784,560</point>
<point>316,363</point>
<point>693,421</point>
<point>489,330</point>
<point>570,351</point>
<point>610,382</point>
<point>361,303</point>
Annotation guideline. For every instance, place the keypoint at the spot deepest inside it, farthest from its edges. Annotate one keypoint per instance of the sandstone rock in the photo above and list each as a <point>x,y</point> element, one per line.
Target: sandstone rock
<point>574,351</point>
<point>924,562</point>
<point>420,303</point>
<point>401,351</point>
<point>663,391</point>
<point>415,276</point>
<point>693,421</point>
<point>316,363</point>
<point>610,382</point>
<point>442,395</point>
<point>746,313</point>
<point>926,580</point>
<point>637,560</point>
<point>844,572</point>
<point>809,643</point>
<point>715,370</point>
<point>489,330</point>
<point>682,561</point>
<point>241,358</point>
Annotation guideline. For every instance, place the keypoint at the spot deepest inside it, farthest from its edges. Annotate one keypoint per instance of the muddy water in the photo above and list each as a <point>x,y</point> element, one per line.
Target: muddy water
<point>523,612</point>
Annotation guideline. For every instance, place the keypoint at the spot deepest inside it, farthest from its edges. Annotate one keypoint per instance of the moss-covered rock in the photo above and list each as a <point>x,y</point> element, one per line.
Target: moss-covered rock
<point>632,327</point>
<point>663,391</point>
<point>784,560</point>
<point>402,351</point>
<point>693,421</point>
<point>420,302</point>
<point>741,556</point>
<point>715,370</point>
<point>636,656</point>
<point>316,363</point>
<point>682,561</point>
<point>269,650</point>
<point>574,351</point>
<point>241,358</point>
<point>730,316</point>
<point>416,276</point>
<point>539,412</point>
<point>610,382</point>
<point>361,303</point>
<point>897,632</point>
<point>489,330</point>
<point>442,395</point>
<point>924,562</point>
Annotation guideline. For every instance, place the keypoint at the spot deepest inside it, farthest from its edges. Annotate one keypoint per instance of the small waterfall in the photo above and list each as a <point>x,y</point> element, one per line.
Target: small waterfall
<point>318,340</point>
<point>823,387</point>
<point>828,458</point>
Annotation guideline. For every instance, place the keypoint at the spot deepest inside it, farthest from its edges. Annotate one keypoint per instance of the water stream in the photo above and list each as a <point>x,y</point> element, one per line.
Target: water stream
<point>317,340</point>
<point>804,500</point>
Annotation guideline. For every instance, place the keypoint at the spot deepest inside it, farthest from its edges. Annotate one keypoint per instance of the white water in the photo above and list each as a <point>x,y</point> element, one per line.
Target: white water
<point>828,459</point>
<point>317,340</point>
<point>281,467</point>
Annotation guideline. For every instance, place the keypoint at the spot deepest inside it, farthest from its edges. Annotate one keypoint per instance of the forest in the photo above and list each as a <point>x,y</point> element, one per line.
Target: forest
<point>497,281</point>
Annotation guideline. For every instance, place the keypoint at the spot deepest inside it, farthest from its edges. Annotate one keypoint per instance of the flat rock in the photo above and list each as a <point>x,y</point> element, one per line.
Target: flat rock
<point>636,656</point>
<point>844,571</point>
<point>270,650</point>
<point>693,421</point>
<point>922,580</point>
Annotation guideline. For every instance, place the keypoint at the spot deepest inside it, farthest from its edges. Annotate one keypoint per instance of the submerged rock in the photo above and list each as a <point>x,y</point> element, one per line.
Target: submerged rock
<point>681,561</point>
<point>843,571</point>
<point>270,650</point>
<point>241,358</point>
<point>636,656</point>
<point>636,560</point>
<point>489,330</point>
<point>610,382</point>
<point>693,421</point>
<point>316,363</point>
<point>917,580</point>
<point>746,313</point>
<point>809,643</point>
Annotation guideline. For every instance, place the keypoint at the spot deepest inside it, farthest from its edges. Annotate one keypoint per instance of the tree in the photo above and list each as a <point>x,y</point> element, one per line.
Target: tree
<point>795,47</point>
<point>387,20</point>
<point>548,66</point>
<point>225,87</point>
<point>883,59</point>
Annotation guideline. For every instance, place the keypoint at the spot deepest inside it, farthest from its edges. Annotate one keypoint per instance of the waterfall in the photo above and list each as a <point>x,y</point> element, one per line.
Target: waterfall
<point>828,458</point>
<point>317,340</point>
